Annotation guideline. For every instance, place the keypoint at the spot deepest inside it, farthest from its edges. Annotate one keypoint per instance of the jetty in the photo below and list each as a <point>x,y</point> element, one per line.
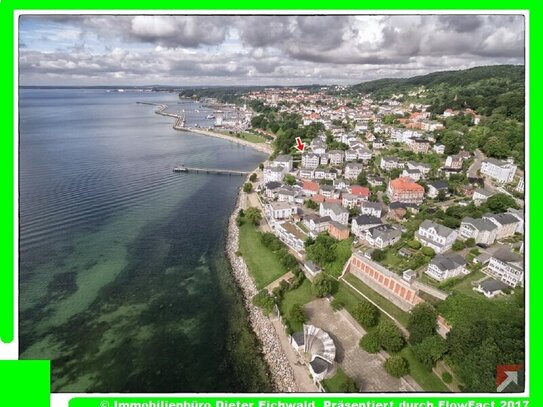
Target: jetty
<point>218,171</point>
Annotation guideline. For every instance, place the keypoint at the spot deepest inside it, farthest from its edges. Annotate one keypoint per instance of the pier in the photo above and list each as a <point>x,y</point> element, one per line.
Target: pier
<point>218,171</point>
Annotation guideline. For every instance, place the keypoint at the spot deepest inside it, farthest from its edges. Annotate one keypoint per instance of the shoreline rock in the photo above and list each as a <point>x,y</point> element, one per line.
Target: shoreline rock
<point>278,364</point>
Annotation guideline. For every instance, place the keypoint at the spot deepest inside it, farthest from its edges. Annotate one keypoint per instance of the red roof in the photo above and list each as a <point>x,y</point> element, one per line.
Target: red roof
<point>311,186</point>
<point>317,198</point>
<point>406,184</point>
<point>334,200</point>
<point>359,190</point>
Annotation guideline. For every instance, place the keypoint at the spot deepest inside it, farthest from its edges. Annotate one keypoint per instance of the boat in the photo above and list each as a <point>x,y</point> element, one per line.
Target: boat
<point>210,116</point>
<point>180,168</point>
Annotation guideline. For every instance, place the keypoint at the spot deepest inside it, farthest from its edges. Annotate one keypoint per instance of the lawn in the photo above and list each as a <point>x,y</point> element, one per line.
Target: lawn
<point>385,304</point>
<point>464,286</point>
<point>343,253</point>
<point>301,295</point>
<point>393,260</point>
<point>263,264</point>
<point>253,138</point>
<point>426,379</point>
<point>337,383</point>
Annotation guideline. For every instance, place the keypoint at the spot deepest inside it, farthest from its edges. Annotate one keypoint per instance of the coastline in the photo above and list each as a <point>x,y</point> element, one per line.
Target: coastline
<point>282,374</point>
<point>262,147</point>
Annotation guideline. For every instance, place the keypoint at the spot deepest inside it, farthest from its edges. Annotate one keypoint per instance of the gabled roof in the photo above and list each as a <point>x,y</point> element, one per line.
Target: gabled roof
<point>480,224</point>
<point>440,229</point>
<point>448,261</point>
<point>367,220</point>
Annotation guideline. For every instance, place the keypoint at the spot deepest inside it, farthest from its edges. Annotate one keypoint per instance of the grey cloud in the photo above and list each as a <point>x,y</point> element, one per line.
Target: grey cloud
<point>461,23</point>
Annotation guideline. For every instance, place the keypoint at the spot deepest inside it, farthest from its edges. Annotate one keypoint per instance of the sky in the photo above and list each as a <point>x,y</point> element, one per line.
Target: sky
<point>258,50</point>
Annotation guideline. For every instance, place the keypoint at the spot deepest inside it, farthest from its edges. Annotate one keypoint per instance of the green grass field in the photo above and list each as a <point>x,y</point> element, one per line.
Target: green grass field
<point>337,383</point>
<point>253,138</point>
<point>426,379</point>
<point>301,295</point>
<point>264,265</point>
<point>465,286</point>
<point>385,304</point>
<point>343,252</point>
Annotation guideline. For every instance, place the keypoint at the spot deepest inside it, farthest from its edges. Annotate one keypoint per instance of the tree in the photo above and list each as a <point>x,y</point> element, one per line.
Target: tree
<point>430,350</point>
<point>500,203</point>
<point>414,244</point>
<point>247,187</point>
<point>390,336</point>
<point>370,342</point>
<point>378,255</point>
<point>458,245</point>
<point>386,199</point>
<point>323,250</point>
<point>252,178</point>
<point>470,242</point>
<point>265,301</point>
<point>261,166</point>
<point>322,285</point>
<point>288,260</point>
<point>297,314</point>
<point>366,314</point>
<point>422,322</point>
<point>289,179</point>
<point>253,215</point>
<point>362,179</point>
<point>441,195</point>
<point>396,366</point>
<point>311,204</point>
<point>428,251</point>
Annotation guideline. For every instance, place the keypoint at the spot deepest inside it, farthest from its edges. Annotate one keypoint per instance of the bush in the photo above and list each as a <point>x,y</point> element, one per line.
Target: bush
<point>297,313</point>
<point>390,336</point>
<point>378,255</point>
<point>370,342</point>
<point>247,187</point>
<point>428,251</point>
<point>446,377</point>
<point>396,366</point>
<point>430,350</point>
<point>470,242</point>
<point>458,245</point>
<point>366,314</point>
<point>264,301</point>
<point>414,244</point>
<point>337,304</point>
<point>322,286</point>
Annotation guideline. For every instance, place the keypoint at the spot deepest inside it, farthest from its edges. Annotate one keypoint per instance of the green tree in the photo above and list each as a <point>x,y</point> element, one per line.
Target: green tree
<point>323,251</point>
<point>297,314</point>
<point>252,178</point>
<point>458,245</point>
<point>370,342</point>
<point>428,251</point>
<point>390,336</point>
<point>430,350</point>
<point>311,204</point>
<point>422,322</point>
<point>470,242</point>
<point>366,314</point>
<point>414,244</point>
<point>264,301</point>
<point>378,255</point>
<point>261,166</point>
<point>247,187</point>
<point>500,203</point>
<point>253,215</point>
<point>362,179</point>
<point>396,366</point>
<point>289,179</point>
<point>322,286</point>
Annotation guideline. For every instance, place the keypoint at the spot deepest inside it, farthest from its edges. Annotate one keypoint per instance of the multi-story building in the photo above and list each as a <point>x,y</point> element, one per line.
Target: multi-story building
<point>338,231</point>
<point>480,195</point>
<point>362,223</point>
<point>454,162</point>
<point>438,237</point>
<point>371,208</point>
<point>390,163</point>
<point>272,174</point>
<point>337,212</point>
<point>284,161</point>
<point>403,189</point>
<point>382,236</point>
<point>507,267</point>
<point>500,171</point>
<point>506,222</point>
<point>420,145</point>
<point>336,157</point>
<point>310,160</point>
<point>291,235</point>
<point>353,170</point>
<point>482,230</point>
<point>280,210</point>
<point>316,224</point>
<point>445,266</point>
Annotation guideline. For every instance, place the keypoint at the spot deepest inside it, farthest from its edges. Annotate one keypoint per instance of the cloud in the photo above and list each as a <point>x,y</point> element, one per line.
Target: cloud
<point>193,50</point>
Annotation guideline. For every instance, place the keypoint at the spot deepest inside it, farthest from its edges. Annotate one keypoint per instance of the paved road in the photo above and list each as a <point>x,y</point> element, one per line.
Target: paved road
<point>366,369</point>
<point>476,166</point>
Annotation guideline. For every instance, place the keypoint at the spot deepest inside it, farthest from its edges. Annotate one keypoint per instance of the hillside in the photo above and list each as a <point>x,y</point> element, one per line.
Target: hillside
<point>487,89</point>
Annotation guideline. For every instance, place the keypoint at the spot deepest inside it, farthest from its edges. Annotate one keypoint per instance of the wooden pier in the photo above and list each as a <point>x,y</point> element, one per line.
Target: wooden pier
<point>210,171</point>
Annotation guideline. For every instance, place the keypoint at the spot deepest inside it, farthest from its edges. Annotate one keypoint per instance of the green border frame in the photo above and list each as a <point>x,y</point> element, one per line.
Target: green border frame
<point>27,382</point>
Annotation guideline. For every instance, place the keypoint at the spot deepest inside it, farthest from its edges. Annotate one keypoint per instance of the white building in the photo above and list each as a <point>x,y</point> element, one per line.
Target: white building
<point>371,208</point>
<point>291,235</point>
<point>283,161</point>
<point>507,267</point>
<point>480,195</point>
<point>279,210</point>
<point>438,237</point>
<point>335,211</point>
<point>274,174</point>
<point>336,157</point>
<point>353,170</point>
<point>500,171</point>
<point>507,224</point>
<point>362,223</point>
<point>382,236</point>
<point>310,160</point>
<point>482,230</point>
<point>445,266</point>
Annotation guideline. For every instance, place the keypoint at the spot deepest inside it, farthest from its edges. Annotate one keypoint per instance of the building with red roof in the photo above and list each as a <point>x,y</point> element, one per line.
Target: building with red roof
<point>403,189</point>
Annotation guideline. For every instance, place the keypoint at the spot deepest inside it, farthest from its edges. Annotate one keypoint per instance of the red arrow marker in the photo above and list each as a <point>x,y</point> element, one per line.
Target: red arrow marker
<point>299,145</point>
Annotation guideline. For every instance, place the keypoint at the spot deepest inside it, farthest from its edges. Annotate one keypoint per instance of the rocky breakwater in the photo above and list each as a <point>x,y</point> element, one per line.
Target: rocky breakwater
<point>279,366</point>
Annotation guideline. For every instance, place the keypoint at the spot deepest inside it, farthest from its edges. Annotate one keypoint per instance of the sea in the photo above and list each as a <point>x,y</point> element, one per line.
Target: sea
<point>123,280</point>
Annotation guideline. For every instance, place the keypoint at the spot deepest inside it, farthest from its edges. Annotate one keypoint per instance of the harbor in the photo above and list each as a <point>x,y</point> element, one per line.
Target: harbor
<point>182,168</point>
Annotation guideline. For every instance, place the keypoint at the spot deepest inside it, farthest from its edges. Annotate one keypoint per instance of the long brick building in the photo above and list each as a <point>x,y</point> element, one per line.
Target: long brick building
<point>403,189</point>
